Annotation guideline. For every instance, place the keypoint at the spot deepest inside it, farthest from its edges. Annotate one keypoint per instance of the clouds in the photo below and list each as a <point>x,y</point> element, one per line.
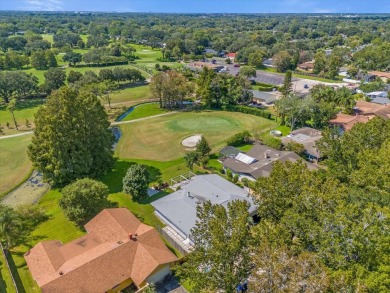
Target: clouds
<point>45,5</point>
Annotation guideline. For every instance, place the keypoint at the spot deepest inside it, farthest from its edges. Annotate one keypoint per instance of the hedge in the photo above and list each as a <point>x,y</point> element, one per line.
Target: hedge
<point>247,110</point>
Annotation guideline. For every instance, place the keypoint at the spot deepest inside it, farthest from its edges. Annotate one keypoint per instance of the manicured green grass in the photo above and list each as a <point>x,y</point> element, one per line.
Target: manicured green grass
<point>58,227</point>
<point>136,93</point>
<point>284,129</point>
<point>24,110</point>
<point>146,54</point>
<point>145,110</point>
<point>15,164</point>
<point>40,73</point>
<point>6,285</point>
<point>160,138</point>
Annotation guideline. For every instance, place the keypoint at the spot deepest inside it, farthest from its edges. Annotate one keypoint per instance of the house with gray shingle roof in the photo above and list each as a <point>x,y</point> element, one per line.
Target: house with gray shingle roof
<point>178,209</point>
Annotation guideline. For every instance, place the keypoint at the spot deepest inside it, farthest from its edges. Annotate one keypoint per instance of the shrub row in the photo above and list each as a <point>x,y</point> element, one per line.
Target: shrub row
<point>247,110</point>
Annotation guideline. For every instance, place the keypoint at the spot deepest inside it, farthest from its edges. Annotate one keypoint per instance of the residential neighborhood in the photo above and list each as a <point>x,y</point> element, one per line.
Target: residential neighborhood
<point>220,147</point>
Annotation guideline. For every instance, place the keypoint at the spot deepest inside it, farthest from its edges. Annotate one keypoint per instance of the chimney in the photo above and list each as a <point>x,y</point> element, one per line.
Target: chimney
<point>266,155</point>
<point>188,194</point>
<point>133,236</point>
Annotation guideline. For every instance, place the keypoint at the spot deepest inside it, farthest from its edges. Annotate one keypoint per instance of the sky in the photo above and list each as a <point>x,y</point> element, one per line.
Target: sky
<point>203,6</point>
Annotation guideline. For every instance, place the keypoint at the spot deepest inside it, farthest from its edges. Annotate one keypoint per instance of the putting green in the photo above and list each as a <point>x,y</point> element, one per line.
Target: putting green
<point>200,123</point>
<point>160,138</point>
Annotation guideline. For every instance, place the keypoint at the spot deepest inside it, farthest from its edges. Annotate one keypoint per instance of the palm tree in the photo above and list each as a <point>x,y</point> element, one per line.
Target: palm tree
<point>345,100</point>
<point>10,225</point>
<point>11,107</point>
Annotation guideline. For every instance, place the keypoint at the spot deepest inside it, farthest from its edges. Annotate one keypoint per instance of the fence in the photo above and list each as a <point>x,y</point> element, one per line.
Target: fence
<point>172,241</point>
<point>9,268</point>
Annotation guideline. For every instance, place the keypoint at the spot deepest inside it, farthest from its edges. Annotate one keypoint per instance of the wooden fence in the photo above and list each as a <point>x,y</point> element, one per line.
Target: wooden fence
<point>3,251</point>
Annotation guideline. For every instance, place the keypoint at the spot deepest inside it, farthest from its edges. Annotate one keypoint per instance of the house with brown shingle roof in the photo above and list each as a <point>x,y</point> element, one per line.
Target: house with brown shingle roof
<point>118,251</point>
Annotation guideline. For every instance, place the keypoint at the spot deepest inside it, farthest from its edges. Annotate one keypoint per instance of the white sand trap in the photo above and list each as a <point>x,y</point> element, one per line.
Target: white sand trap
<point>146,50</point>
<point>190,142</point>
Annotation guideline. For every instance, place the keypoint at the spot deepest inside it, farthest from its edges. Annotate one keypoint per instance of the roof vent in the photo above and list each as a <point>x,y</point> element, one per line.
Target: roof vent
<point>120,242</point>
<point>61,273</point>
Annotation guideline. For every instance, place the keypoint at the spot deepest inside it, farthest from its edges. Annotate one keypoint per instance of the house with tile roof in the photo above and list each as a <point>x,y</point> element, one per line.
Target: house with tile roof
<point>118,251</point>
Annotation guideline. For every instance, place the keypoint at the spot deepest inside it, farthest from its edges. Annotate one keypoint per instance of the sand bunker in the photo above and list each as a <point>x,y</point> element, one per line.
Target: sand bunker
<point>190,142</point>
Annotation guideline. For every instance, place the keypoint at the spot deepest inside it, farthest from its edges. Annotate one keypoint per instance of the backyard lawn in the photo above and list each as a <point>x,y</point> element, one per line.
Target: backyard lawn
<point>15,164</point>
<point>6,285</point>
<point>145,110</point>
<point>58,227</point>
<point>159,139</point>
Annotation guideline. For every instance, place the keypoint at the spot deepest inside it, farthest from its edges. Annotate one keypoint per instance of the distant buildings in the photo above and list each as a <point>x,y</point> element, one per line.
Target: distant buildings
<point>198,66</point>
<point>118,251</point>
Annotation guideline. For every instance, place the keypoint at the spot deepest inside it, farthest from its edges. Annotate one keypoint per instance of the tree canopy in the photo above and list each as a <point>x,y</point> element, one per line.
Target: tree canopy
<point>71,139</point>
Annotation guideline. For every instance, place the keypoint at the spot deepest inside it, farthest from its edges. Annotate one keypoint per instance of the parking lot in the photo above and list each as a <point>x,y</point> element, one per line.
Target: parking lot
<point>298,84</point>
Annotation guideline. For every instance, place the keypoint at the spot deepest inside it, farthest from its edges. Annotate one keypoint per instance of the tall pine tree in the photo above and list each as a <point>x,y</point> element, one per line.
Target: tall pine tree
<point>71,138</point>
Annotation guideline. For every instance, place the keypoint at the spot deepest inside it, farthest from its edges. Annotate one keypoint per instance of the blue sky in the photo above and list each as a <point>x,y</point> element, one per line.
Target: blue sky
<point>204,6</point>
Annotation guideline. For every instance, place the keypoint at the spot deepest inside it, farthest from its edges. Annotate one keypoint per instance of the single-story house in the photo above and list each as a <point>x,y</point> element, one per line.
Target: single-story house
<point>265,97</point>
<point>371,110</point>
<point>382,75</point>
<point>308,66</point>
<point>178,209</point>
<point>118,251</point>
<point>345,122</point>
<point>378,94</point>
<point>228,152</point>
<point>269,62</point>
<point>198,66</point>
<point>231,56</point>
<point>258,162</point>
<point>381,101</point>
<point>307,137</point>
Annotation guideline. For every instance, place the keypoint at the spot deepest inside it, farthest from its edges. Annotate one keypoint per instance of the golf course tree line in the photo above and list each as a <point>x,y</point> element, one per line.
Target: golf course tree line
<point>318,230</point>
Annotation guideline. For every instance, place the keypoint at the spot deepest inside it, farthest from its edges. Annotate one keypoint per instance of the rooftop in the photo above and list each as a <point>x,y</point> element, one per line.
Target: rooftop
<point>307,137</point>
<point>116,242</point>
<point>179,208</point>
<point>265,157</point>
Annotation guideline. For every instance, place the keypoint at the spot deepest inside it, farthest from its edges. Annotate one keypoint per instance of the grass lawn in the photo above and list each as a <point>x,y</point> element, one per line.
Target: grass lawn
<point>6,285</point>
<point>40,73</point>
<point>15,164</point>
<point>160,138</point>
<point>48,37</point>
<point>25,110</point>
<point>145,110</point>
<point>137,93</point>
